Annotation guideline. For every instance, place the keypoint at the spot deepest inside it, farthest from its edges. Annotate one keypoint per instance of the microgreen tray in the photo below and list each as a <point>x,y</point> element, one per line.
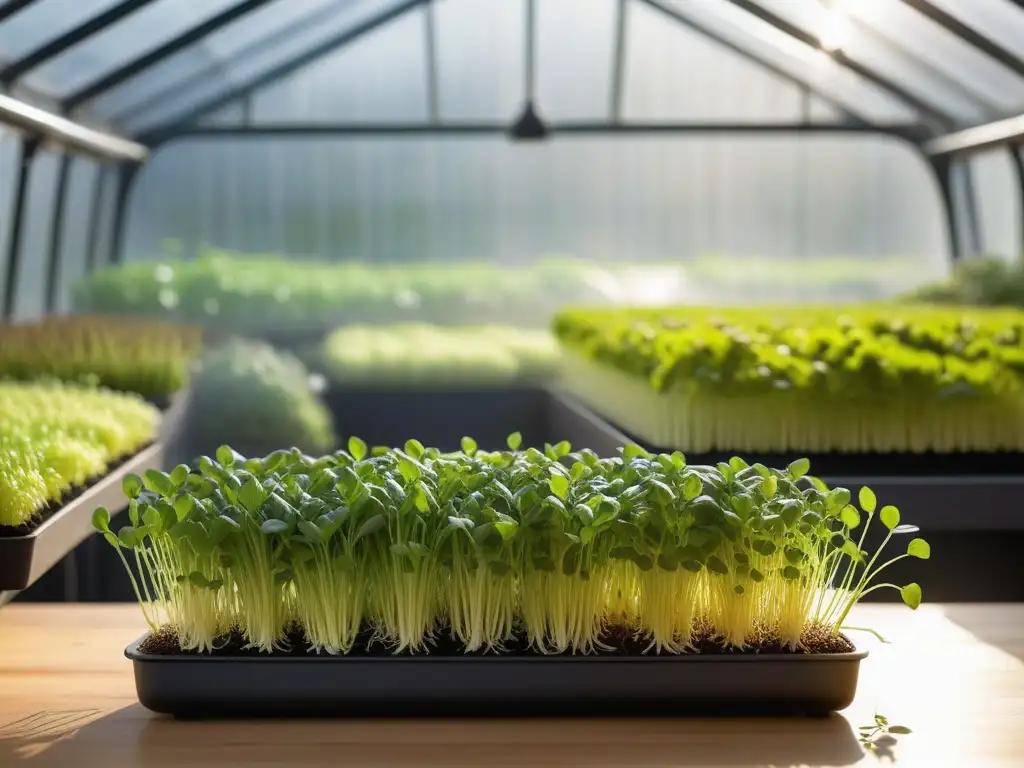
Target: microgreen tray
<point>197,686</point>
<point>25,558</point>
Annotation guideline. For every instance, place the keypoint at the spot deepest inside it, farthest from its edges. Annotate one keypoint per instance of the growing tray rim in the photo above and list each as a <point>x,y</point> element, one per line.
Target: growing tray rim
<point>859,653</point>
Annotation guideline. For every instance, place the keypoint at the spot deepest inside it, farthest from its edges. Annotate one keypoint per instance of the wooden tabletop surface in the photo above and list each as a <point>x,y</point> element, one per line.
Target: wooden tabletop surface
<point>953,674</point>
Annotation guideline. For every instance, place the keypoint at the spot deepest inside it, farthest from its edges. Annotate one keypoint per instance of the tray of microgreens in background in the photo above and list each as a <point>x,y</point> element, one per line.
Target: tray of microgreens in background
<point>506,582</point>
<point>66,451</point>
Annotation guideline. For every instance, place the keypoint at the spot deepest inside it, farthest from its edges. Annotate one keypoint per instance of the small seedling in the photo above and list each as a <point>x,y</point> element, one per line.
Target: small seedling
<point>876,736</point>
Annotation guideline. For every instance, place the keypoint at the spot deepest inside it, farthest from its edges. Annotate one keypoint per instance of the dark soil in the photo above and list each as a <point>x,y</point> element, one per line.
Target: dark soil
<point>620,640</point>
<point>9,532</point>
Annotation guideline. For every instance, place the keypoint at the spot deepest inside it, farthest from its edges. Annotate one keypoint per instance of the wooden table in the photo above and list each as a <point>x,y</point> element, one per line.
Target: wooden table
<point>954,674</point>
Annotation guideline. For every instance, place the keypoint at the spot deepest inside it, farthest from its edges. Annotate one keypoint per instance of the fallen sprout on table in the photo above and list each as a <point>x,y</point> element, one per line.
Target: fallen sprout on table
<point>557,547</point>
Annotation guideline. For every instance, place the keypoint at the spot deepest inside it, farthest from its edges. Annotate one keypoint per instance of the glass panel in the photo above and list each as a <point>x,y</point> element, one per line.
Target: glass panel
<point>242,70</point>
<point>144,30</point>
<point>943,50</point>
<point>380,77</point>
<point>75,240</point>
<point>9,155</point>
<point>997,192</point>
<point>621,200</point>
<point>674,73</point>
<point>480,58</point>
<point>1001,20</point>
<point>795,58</point>
<point>232,114</point>
<point>30,296</point>
<point>885,54</point>
<point>43,21</point>
<point>575,49</point>
<point>201,63</point>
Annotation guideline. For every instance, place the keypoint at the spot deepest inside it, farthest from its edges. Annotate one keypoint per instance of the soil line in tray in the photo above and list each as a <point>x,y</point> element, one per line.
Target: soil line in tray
<point>620,640</point>
<point>10,532</point>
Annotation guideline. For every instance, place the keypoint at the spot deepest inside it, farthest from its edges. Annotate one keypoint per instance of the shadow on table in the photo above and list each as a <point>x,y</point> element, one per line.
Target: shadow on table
<point>1003,630</point>
<point>134,737</point>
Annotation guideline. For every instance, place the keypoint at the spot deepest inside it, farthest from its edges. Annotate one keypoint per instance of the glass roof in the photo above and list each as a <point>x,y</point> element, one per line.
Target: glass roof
<point>952,63</point>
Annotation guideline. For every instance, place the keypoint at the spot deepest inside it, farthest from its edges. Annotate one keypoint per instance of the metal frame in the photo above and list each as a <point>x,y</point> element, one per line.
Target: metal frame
<point>336,42</point>
<point>103,84</point>
<point>10,74</point>
<point>68,134</point>
<point>26,155</point>
<point>12,7</point>
<point>39,125</point>
<point>927,110</point>
<point>985,44</point>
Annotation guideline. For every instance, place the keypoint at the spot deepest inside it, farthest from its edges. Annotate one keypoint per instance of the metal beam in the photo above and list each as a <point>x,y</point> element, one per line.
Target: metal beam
<point>92,237</point>
<point>1018,171</point>
<point>11,7</point>
<point>994,134</point>
<point>70,38</point>
<point>530,75</point>
<point>907,131</point>
<point>942,168</point>
<point>430,33</point>
<point>68,134</point>
<point>126,175</point>
<point>930,111</point>
<point>336,42</point>
<point>27,154</point>
<point>968,34</point>
<point>57,232</point>
<point>700,28</point>
<point>618,61</point>
<point>254,49</point>
<point>155,56</point>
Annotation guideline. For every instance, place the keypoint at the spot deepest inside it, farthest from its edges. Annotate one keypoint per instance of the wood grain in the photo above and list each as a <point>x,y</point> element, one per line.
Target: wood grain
<point>954,674</point>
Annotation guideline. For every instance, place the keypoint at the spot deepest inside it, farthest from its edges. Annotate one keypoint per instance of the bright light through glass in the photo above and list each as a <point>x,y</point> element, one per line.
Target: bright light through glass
<point>834,26</point>
<point>834,29</point>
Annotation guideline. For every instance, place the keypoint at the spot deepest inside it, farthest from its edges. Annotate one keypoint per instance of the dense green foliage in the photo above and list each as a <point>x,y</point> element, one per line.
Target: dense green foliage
<point>148,358</point>
<point>257,397</point>
<point>429,355</point>
<point>556,545</point>
<point>808,378</point>
<point>54,437</point>
<point>258,293</point>
<point>980,281</point>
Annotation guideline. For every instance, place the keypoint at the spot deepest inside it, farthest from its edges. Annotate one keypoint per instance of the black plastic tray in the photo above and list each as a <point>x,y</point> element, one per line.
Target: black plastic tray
<point>197,686</point>
<point>23,559</point>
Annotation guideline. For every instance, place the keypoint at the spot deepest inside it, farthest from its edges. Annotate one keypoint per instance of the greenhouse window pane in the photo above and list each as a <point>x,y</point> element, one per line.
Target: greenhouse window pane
<point>30,294</point>
<point>1000,20</point>
<point>147,28</point>
<point>943,50</point>
<point>797,59</point>
<point>480,58</point>
<point>240,71</point>
<point>44,21</point>
<point>618,200</point>
<point>202,62</point>
<point>998,202</point>
<point>885,53</point>
<point>575,49</point>
<point>379,78</point>
<point>675,74</point>
<point>77,216</point>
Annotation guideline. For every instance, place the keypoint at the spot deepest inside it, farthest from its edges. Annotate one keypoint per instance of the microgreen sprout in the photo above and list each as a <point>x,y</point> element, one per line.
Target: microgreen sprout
<point>874,737</point>
<point>806,379</point>
<point>554,546</point>
<point>55,437</point>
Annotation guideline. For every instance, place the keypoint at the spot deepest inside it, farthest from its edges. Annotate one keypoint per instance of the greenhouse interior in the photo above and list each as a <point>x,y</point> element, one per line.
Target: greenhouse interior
<point>360,336</point>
